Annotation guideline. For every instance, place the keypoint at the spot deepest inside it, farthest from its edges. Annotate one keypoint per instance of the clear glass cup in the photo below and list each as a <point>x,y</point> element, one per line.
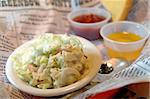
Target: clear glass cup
<point>127,50</point>
<point>89,31</point>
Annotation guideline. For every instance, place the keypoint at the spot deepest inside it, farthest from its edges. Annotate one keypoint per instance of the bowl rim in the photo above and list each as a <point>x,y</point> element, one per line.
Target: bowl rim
<point>125,22</point>
<point>89,9</point>
<point>21,85</point>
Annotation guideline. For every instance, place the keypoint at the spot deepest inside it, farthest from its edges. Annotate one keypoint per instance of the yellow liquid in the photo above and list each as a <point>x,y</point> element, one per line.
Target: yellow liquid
<point>124,37</point>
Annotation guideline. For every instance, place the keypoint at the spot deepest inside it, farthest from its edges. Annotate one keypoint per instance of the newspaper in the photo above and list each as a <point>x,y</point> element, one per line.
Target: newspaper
<point>22,20</point>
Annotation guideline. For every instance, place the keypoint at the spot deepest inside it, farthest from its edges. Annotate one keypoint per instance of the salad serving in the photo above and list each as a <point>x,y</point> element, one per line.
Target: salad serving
<point>51,61</point>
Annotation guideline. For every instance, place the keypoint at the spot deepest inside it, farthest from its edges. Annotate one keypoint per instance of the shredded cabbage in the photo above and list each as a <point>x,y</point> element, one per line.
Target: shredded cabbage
<point>51,61</point>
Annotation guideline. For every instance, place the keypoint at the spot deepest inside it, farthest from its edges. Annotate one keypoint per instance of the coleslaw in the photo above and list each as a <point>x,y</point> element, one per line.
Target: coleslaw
<point>51,61</point>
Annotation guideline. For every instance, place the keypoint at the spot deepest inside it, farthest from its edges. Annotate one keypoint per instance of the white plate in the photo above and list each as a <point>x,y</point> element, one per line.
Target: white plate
<point>94,62</point>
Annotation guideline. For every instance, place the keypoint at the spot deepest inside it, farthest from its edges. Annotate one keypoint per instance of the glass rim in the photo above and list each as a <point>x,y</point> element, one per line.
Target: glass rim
<point>125,43</point>
<point>89,24</point>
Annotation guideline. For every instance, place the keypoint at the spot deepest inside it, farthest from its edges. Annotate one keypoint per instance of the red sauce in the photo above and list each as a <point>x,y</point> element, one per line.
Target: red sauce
<point>89,18</point>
